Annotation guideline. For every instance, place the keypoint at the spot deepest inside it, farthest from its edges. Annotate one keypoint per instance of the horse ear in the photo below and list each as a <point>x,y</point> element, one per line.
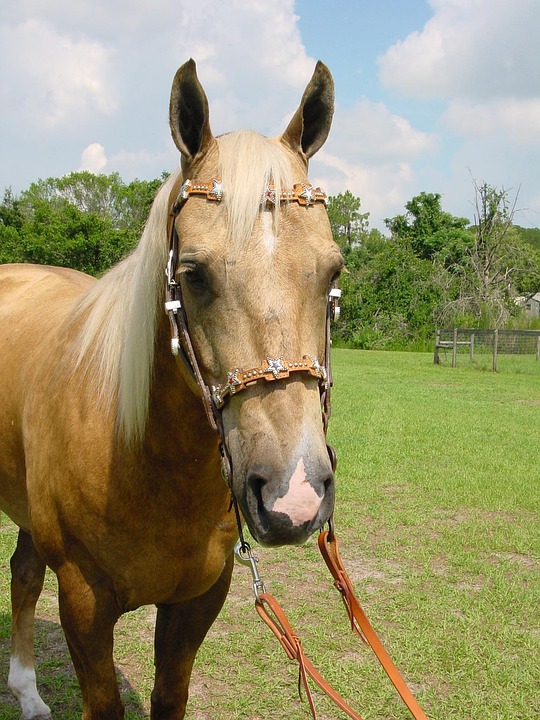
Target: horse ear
<point>188,113</point>
<point>310,125</point>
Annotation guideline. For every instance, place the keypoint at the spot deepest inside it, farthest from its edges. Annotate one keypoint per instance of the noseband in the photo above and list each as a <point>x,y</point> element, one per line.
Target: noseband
<point>270,369</point>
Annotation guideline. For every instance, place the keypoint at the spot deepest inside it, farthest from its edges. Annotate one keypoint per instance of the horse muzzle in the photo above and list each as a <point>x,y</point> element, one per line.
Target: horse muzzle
<point>286,508</point>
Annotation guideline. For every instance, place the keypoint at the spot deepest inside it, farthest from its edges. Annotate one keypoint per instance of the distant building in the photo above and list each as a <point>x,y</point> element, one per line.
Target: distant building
<point>532,305</point>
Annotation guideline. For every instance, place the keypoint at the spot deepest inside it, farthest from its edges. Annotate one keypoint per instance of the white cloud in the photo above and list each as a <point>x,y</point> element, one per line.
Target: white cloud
<point>142,163</point>
<point>383,187</point>
<point>517,119</point>
<point>474,49</point>
<point>61,81</point>
<point>92,59</point>
<point>479,57</point>
<point>93,158</point>
<point>83,72</point>
<point>369,131</point>
<point>372,152</point>
<point>96,74</point>
<point>253,65</point>
<point>122,19</point>
<point>130,165</point>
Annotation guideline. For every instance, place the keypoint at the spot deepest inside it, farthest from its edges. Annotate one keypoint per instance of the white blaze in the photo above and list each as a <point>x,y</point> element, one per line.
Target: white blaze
<point>268,236</point>
<point>301,502</point>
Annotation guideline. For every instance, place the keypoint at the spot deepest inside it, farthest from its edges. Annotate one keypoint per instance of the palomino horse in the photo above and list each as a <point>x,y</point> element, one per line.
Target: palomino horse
<point>108,463</point>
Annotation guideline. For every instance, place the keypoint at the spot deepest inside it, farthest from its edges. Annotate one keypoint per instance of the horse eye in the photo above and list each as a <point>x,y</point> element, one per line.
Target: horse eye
<point>195,279</point>
<point>336,275</point>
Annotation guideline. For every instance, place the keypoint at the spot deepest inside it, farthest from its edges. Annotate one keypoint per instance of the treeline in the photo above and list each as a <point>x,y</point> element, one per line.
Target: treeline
<point>433,270</point>
<point>84,221</point>
<point>430,269</point>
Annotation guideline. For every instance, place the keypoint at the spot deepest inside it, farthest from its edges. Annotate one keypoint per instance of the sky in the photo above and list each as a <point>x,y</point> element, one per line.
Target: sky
<point>431,95</point>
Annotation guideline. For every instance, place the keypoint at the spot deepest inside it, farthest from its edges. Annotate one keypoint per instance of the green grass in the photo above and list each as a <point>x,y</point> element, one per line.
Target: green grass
<point>438,514</point>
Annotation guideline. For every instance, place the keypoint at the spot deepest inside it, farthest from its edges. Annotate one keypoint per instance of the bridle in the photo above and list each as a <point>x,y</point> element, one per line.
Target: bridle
<point>239,379</point>
<point>271,368</point>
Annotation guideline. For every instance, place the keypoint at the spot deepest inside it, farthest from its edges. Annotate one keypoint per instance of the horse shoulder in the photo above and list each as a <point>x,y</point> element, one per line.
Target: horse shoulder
<point>34,301</point>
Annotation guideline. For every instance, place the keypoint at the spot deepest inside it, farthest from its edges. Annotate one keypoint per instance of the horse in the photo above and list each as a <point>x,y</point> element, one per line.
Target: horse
<point>109,463</point>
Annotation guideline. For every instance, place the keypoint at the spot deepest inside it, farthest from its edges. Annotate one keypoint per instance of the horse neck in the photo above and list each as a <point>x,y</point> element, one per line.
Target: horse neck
<point>177,423</point>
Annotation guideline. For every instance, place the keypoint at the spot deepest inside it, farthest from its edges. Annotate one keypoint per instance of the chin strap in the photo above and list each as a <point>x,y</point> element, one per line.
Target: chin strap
<point>274,616</point>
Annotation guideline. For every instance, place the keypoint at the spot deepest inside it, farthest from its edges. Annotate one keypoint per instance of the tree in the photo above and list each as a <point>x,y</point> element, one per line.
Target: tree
<point>529,235</point>
<point>497,266</point>
<point>429,231</point>
<point>347,223</point>
<point>84,221</point>
<point>10,211</point>
<point>491,254</point>
<point>11,222</point>
<point>126,207</point>
<point>62,234</point>
<point>390,296</point>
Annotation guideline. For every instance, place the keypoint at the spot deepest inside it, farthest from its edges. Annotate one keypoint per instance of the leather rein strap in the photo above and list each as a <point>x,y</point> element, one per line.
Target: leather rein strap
<point>214,399</point>
<point>328,545</point>
<point>273,615</point>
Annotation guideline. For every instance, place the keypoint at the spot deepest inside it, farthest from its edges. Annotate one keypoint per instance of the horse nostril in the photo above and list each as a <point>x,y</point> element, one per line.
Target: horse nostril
<point>332,455</point>
<point>283,508</point>
<point>328,483</point>
<point>255,484</point>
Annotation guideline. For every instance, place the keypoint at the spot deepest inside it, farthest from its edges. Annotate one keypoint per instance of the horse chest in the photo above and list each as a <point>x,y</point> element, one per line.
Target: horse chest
<point>166,562</point>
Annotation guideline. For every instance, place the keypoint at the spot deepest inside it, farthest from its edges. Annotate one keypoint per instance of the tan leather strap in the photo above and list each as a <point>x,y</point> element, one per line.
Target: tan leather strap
<point>271,369</point>
<point>273,615</point>
<point>303,193</point>
<point>328,545</point>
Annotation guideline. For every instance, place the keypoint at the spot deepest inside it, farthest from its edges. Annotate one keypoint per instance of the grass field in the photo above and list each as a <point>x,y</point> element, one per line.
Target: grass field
<point>438,515</point>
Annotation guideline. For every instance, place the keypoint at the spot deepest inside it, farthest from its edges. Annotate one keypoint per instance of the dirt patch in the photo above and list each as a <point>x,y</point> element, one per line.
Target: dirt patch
<point>533,402</point>
<point>378,572</point>
<point>452,517</point>
<point>529,562</point>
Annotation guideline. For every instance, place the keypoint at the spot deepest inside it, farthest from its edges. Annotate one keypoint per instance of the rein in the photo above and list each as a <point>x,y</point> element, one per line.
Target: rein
<point>273,615</point>
<point>239,379</point>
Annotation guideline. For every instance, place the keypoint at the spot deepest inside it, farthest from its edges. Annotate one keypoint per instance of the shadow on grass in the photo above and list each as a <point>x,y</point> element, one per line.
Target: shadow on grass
<point>56,679</point>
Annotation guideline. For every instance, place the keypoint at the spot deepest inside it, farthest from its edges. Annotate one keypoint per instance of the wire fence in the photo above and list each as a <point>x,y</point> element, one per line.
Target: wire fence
<point>473,342</point>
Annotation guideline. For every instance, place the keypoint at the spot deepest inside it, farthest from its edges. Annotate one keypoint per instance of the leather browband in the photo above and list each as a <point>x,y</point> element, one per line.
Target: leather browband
<point>302,193</point>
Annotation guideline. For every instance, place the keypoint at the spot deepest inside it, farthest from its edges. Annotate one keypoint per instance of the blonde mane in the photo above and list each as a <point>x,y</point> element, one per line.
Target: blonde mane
<point>248,163</point>
<point>120,313</point>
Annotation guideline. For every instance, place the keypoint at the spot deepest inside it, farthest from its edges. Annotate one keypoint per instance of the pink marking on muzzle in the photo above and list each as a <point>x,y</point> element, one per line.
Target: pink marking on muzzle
<point>301,503</point>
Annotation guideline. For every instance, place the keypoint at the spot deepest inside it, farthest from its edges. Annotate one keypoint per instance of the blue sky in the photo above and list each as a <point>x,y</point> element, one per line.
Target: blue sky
<point>429,94</point>
<point>349,35</point>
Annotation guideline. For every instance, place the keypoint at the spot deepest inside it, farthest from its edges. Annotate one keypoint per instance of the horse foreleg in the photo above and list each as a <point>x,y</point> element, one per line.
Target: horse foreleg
<point>89,611</point>
<point>27,575</point>
<point>180,630</point>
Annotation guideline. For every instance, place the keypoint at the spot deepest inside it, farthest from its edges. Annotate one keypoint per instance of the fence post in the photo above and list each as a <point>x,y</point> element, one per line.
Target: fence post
<point>471,347</point>
<point>495,346</point>
<point>454,349</point>
<point>436,351</point>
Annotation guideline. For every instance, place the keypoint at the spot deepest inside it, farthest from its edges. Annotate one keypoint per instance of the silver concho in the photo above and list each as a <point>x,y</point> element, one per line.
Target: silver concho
<point>216,191</point>
<point>275,366</point>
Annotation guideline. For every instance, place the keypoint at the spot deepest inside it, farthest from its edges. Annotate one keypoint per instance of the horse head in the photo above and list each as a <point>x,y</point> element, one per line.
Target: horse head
<point>256,260</point>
